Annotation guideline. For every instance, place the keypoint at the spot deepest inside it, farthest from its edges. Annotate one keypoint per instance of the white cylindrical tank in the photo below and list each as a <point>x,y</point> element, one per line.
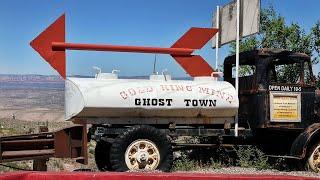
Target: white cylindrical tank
<point>158,96</point>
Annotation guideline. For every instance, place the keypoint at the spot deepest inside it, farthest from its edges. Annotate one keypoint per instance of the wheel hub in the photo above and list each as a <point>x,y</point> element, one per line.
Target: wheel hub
<point>142,154</point>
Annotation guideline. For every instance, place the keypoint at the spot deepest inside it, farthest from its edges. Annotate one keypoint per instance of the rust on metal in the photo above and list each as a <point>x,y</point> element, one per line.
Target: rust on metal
<point>27,153</point>
<point>254,89</point>
<point>69,142</point>
<point>72,143</point>
<point>24,147</point>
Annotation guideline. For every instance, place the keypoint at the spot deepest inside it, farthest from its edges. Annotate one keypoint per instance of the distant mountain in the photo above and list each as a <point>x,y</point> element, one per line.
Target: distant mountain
<point>30,78</point>
<point>34,78</point>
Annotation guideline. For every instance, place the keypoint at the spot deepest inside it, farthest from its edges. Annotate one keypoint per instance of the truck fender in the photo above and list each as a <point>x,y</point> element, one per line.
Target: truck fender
<point>302,142</point>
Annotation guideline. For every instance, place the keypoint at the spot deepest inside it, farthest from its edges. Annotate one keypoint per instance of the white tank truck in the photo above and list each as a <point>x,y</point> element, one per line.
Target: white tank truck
<point>145,105</point>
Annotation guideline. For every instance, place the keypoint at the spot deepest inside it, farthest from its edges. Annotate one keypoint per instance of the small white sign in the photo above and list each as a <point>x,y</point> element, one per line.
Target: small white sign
<point>285,107</point>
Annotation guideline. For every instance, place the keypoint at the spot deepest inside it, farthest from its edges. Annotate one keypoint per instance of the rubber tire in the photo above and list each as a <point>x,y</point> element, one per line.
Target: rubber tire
<point>121,143</point>
<point>308,167</point>
<point>102,155</point>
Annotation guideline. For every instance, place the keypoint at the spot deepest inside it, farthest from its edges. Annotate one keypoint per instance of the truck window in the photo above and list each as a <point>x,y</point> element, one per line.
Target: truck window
<point>286,73</point>
<point>244,70</point>
<point>246,76</point>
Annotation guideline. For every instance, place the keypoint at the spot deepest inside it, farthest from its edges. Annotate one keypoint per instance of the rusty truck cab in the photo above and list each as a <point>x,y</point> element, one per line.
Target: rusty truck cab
<point>275,105</point>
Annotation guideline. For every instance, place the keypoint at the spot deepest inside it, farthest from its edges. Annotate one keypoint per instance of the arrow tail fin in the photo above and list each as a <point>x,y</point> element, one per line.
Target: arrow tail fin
<point>195,38</point>
<point>194,65</point>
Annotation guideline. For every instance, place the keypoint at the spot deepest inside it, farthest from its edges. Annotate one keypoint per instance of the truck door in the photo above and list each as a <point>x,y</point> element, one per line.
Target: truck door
<point>291,94</point>
<point>247,91</point>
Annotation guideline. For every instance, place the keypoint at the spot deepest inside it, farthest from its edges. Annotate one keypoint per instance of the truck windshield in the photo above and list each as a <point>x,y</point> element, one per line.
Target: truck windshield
<point>291,73</point>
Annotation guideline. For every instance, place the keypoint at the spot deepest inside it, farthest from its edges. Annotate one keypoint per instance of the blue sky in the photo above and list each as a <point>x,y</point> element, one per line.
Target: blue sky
<point>120,22</point>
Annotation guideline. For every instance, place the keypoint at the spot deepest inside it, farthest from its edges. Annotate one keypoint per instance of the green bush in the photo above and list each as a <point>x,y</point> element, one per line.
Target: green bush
<point>184,164</point>
<point>250,156</point>
<point>214,164</point>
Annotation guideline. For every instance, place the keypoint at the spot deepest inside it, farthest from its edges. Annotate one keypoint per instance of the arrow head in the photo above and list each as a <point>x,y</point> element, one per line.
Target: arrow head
<point>43,45</point>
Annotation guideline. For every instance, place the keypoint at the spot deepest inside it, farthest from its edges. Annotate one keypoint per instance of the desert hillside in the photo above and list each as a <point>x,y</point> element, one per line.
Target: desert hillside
<point>32,97</point>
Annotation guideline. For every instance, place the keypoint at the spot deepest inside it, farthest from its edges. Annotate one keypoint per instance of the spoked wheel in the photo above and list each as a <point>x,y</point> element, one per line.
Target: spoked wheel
<point>313,162</point>
<point>141,148</point>
<point>142,154</point>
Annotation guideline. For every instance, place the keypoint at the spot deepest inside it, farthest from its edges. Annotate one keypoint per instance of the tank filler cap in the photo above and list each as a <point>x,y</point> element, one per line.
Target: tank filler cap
<point>112,75</point>
<point>107,76</point>
<point>163,76</point>
<point>214,77</point>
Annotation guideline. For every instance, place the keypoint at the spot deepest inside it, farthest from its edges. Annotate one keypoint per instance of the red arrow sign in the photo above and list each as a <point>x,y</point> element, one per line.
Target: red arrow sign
<point>51,45</point>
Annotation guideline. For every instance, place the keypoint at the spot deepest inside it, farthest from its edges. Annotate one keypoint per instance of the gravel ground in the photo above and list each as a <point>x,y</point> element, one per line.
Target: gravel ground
<point>247,171</point>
